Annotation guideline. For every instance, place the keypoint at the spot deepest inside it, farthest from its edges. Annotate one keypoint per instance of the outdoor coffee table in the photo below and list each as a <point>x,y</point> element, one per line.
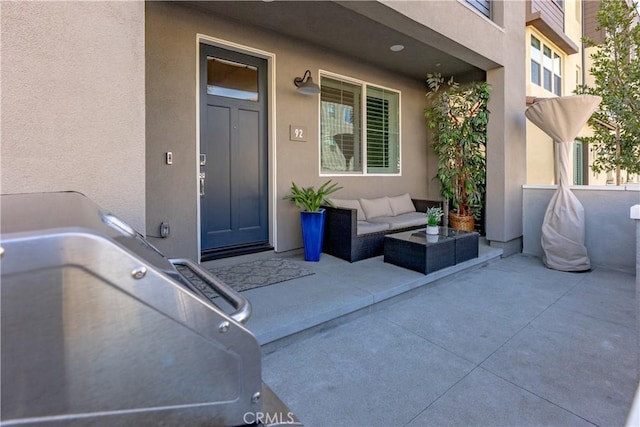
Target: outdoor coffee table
<point>466,243</point>
<point>426,253</point>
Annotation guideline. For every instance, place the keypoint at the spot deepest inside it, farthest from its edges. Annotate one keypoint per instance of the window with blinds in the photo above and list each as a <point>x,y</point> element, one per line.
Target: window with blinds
<point>383,139</point>
<point>482,6</point>
<point>357,140</point>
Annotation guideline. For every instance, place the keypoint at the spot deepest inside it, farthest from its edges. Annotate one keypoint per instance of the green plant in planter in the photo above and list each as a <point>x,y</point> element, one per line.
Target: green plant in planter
<point>433,216</point>
<point>458,115</point>
<point>309,199</point>
<point>312,217</point>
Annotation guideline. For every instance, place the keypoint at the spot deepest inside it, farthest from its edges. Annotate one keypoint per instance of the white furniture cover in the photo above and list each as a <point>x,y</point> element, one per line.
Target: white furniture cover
<point>563,227</point>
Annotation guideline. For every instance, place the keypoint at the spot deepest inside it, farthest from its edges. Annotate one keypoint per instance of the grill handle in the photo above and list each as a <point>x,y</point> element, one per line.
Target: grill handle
<point>240,303</point>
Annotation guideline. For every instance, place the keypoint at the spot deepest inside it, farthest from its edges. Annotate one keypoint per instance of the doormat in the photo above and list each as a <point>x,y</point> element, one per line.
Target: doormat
<point>251,275</point>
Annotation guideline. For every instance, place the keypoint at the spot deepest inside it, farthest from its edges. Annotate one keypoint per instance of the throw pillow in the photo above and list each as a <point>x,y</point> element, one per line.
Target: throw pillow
<point>401,204</point>
<point>375,208</point>
<point>349,204</point>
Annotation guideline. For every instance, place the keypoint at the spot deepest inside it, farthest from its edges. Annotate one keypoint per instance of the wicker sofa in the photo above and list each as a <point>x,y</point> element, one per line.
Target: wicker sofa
<point>355,228</point>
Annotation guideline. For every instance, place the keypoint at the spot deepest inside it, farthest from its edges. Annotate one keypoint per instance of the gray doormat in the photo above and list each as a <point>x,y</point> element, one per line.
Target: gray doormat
<point>251,275</point>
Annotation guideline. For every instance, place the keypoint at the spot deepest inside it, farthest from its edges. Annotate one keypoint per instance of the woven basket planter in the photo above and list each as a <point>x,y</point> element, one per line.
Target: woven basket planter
<point>461,222</point>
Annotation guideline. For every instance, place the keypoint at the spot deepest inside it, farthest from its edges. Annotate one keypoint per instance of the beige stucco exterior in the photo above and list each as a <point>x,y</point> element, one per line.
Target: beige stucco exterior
<point>173,32</point>
<point>73,104</point>
<point>125,93</point>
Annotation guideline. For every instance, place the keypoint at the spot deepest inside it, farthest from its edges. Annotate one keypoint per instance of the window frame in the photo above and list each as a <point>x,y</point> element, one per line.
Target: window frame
<point>364,85</point>
<point>557,73</point>
<point>537,60</point>
<point>547,68</point>
<point>553,76</point>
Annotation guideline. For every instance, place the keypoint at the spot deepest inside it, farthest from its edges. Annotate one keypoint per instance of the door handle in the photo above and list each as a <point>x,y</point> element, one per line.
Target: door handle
<point>202,176</point>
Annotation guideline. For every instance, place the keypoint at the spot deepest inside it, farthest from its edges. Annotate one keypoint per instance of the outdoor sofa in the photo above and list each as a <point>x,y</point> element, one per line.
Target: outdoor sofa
<point>355,228</point>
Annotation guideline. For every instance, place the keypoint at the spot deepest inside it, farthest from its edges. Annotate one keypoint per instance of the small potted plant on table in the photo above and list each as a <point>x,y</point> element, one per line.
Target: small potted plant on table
<point>310,201</point>
<point>433,219</point>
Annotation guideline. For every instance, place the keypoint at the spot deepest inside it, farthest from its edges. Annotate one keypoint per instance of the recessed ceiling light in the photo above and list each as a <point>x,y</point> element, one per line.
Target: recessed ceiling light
<point>438,64</point>
<point>397,47</point>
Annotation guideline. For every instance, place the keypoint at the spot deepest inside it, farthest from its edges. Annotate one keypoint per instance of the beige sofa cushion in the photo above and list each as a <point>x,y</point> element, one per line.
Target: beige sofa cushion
<point>366,227</point>
<point>401,204</point>
<point>375,208</point>
<point>349,204</point>
<point>409,219</point>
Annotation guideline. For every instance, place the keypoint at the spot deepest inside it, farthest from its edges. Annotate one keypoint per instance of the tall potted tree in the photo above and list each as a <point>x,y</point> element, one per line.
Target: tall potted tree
<point>458,115</point>
<point>312,215</point>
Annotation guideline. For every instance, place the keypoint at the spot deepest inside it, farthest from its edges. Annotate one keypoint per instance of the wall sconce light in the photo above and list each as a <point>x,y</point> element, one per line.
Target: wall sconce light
<point>306,85</point>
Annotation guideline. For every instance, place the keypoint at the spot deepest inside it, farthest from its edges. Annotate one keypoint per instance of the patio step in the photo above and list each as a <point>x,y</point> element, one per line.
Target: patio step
<point>338,292</point>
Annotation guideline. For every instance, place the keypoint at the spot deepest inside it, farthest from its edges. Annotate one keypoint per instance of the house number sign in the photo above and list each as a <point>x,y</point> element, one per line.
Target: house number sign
<point>298,133</point>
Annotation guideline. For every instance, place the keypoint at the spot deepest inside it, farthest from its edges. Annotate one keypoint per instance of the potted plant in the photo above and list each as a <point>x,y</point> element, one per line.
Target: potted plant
<point>434,214</point>
<point>310,201</point>
<point>459,116</point>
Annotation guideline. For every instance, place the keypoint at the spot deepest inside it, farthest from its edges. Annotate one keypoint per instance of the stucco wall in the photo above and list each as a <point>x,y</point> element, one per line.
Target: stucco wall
<point>171,124</point>
<point>73,107</point>
<point>496,47</point>
<point>477,41</point>
<point>609,232</point>
<point>540,160</point>
<point>506,145</point>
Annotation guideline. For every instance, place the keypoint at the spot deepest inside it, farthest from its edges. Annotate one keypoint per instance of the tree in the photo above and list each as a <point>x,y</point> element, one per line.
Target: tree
<point>616,69</point>
<point>459,116</point>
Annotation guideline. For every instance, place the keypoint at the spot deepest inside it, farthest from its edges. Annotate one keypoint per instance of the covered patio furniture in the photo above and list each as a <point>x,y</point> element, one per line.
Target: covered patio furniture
<point>563,227</point>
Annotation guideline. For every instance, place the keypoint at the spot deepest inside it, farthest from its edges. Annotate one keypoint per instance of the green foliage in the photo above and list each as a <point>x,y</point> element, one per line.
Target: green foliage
<point>459,116</point>
<point>434,214</point>
<point>616,70</point>
<point>309,199</point>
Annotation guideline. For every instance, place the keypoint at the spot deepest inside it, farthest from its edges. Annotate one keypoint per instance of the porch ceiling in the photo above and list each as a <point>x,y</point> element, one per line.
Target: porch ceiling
<point>337,27</point>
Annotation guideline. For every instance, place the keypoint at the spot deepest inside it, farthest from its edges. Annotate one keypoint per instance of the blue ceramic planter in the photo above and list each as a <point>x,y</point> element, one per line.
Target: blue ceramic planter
<point>312,234</point>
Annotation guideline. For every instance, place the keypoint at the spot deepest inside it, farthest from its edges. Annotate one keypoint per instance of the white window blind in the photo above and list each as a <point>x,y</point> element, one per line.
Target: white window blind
<point>382,131</point>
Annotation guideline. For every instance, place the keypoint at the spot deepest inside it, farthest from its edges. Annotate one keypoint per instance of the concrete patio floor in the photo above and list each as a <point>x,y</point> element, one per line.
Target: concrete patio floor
<point>505,342</point>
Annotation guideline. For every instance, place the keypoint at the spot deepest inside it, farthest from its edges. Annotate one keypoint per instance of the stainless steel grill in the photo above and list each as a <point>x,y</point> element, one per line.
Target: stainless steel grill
<point>99,328</point>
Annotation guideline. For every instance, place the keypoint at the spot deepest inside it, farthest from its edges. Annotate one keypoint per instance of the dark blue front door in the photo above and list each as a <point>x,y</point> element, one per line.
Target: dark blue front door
<point>233,150</point>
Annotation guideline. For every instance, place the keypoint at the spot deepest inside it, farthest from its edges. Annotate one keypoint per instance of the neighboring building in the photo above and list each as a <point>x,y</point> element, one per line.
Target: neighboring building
<point>591,8</point>
<point>554,68</point>
<point>557,62</point>
<point>130,102</point>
